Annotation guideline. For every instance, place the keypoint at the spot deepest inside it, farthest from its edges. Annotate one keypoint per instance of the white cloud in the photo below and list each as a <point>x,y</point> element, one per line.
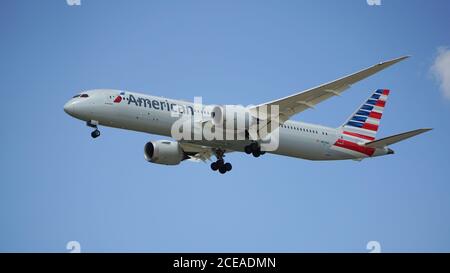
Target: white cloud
<point>441,70</point>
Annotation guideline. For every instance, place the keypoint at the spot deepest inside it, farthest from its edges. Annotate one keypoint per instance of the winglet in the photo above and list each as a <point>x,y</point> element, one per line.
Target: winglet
<point>394,61</point>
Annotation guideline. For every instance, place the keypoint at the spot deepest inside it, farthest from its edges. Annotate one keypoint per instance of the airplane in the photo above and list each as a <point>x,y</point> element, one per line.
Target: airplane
<point>355,139</point>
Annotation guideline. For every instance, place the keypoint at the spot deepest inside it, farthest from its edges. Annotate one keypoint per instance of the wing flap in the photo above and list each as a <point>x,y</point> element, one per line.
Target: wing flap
<point>198,152</point>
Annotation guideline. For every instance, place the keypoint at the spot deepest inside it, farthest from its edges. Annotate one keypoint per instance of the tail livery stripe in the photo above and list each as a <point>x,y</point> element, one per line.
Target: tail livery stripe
<point>376,115</point>
<point>383,97</point>
<point>370,126</point>
<point>359,118</point>
<point>373,121</point>
<point>380,103</point>
<point>359,131</point>
<point>363,125</point>
<point>355,124</point>
<point>359,135</point>
<point>355,147</point>
<point>363,113</point>
<point>375,96</point>
<point>382,91</point>
<point>367,107</point>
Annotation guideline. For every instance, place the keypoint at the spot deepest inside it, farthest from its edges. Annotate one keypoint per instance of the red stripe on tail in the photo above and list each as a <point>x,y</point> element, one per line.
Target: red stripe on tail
<point>370,126</point>
<point>376,115</point>
<point>380,103</point>
<point>354,147</point>
<point>359,135</point>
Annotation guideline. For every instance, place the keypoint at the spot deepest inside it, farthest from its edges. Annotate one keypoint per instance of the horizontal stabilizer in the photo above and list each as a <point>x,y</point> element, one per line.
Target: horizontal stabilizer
<point>383,142</point>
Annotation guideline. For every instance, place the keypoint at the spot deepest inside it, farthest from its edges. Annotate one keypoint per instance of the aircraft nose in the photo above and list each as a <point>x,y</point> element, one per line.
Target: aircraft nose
<point>68,108</point>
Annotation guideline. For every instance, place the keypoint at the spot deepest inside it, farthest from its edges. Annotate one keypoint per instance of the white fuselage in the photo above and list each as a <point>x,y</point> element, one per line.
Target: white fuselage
<point>154,115</point>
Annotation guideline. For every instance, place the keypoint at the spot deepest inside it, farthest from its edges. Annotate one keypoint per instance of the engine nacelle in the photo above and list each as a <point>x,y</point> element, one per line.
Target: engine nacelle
<point>164,152</point>
<point>237,116</point>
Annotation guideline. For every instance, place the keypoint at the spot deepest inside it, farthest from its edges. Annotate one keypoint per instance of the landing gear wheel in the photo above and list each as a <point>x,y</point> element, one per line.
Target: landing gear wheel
<point>95,133</point>
<point>254,146</point>
<point>254,149</point>
<point>228,166</point>
<point>248,149</point>
<point>220,164</point>
<point>214,166</point>
<point>223,169</point>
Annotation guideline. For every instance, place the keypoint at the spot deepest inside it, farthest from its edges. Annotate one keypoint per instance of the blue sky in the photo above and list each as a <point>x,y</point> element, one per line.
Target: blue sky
<point>59,185</point>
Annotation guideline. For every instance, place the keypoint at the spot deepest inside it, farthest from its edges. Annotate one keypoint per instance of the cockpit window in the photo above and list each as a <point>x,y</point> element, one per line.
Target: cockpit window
<point>81,96</point>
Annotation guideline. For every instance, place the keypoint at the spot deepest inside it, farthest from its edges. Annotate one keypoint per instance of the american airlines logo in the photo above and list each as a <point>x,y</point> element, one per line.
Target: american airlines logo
<point>118,99</point>
<point>163,105</point>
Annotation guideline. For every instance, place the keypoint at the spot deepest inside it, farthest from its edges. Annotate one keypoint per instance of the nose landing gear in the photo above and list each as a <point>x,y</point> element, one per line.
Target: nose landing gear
<point>95,133</point>
<point>93,124</point>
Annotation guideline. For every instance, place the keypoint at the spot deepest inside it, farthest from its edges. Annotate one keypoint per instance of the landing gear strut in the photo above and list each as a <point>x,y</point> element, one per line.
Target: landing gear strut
<point>220,164</point>
<point>93,124</point>
<point>254,148</point>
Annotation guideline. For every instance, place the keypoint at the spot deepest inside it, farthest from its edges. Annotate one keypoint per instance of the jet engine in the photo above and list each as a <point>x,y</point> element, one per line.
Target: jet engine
<point>164,152</point>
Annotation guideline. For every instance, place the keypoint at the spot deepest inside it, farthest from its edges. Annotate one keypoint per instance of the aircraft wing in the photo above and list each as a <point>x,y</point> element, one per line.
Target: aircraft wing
<point>296,103</point>
<point>198,152</point>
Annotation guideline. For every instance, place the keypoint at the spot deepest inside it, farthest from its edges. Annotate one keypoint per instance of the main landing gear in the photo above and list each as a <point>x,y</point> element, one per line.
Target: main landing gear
<point>220,164</point>
<point>255,149</point>
<point>93,124</point>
